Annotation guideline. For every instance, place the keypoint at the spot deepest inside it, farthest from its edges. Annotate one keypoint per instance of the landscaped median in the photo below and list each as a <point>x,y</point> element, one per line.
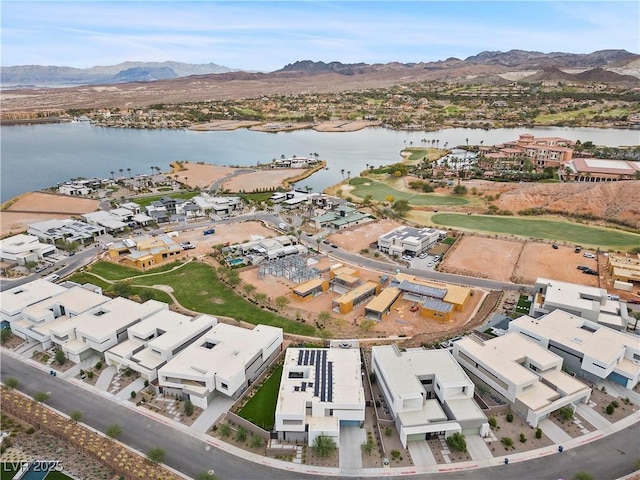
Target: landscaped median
<point>118,458</point>
<point>196,286</point>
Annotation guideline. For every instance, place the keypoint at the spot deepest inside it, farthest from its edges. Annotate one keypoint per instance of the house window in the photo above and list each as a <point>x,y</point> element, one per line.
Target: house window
<point>224,385</point>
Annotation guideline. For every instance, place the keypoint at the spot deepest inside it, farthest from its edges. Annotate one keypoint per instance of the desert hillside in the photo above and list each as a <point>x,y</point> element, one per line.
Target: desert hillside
<point>615,200</point>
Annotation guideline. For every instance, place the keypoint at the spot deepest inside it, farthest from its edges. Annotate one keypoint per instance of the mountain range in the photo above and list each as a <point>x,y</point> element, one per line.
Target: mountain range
<point>39,75</point>
<point>520,60</point>
<point>139,84</point>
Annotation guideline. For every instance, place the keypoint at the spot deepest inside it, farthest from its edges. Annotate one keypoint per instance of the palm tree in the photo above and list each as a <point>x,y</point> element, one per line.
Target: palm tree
<point>349,174</point>
<point>121,171</point>
<point>129,171</point>
<point>112,173</point>
<point>342,172</point>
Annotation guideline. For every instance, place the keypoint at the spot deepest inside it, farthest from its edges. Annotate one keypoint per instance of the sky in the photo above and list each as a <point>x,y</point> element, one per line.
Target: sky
<point>267,35</point>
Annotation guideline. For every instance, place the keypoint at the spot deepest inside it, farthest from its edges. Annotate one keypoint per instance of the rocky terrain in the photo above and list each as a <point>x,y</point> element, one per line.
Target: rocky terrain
<point>314,77</point>
<point>615,200</point>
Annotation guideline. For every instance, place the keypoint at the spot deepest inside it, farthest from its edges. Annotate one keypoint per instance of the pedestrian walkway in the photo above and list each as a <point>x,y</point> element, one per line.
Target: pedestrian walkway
<point>477,447</point>
<point>421,454</point>
<point>593,417</point>
<point>349,451</point>
<point>554,432</point>
<point>218,406</point>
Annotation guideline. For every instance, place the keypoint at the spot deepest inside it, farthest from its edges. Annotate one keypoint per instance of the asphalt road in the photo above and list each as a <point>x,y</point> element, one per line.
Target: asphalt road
<point>607,458</point>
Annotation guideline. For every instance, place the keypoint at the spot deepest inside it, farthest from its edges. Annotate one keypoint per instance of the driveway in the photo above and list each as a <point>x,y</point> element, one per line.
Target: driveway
<point>350,452</point>
<point>421,454</point>
<point>104,380</point>
<point>217,407</point>
<point>477,448</point>
<point>554,432</point>
<point>593,417</point>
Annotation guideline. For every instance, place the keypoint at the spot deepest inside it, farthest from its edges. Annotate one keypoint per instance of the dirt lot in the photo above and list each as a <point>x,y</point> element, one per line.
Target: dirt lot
<point>516,261</point>
<point>483,257</point>
<point>38,207</point>
<point>252,181</point>
<point>232,233</point>
<point>200,175</point>
<point>540,260</point>
<point>355,239</point>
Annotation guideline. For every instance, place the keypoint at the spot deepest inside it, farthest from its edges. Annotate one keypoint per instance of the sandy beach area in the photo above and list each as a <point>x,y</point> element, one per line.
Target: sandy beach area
<point>200,175</point>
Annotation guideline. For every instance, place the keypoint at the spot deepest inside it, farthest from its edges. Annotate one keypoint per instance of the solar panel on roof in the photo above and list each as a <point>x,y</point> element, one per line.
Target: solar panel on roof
<point>410,287</point>
<point>303,387</point>
<point>323,391</point>
<point>330,383</point>
<point>316,383</point>
<point>300,353</point>
<point>313,357</point>
<point>306,357</point>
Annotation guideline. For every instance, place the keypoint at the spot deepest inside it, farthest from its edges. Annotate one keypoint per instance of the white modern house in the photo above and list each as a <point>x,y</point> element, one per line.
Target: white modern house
<point>529,376</point>
<point>67,230</point>
<point>590,351</point>
<point>105,220</point>
<point>320,391</point>
<point>23,248</point>
<point>590,303</point>
<point>14,300</point>
<point>408,241</point>
<point>225,360</point>
<point>216,205</point>
<point>38,319</point>
<point>102,327</point>
<point>155,340</point>
<point>427,392</point>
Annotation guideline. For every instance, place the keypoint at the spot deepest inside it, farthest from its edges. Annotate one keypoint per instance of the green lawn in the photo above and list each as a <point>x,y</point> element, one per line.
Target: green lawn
<point>197,287</point>
<point>111,271</point>
<point>523,304</point>
<point>261,408</point>
<point>146,201</point>
<point>604,238</point>
<point>379,192</point>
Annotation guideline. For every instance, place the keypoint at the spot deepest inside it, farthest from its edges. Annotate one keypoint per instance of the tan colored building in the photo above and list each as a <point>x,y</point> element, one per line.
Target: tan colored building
<point>381,305</point>
<point>146,251</point>
<point>424,292</point>
<point>310,289</point>
<point>624,269</point>
<point>347,302</point>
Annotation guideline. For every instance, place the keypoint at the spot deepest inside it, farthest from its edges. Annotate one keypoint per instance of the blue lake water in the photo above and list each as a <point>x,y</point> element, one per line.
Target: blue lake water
<point>40,156</point>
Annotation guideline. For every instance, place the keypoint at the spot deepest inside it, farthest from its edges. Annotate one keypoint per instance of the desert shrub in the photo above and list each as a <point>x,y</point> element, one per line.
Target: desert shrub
<point>509,417</point>
<point>493,422</point>
<point>457,442</point>
<point>506,441</point>
<point>523,438</point>
<point>610,409</point>
<point>538,433</point>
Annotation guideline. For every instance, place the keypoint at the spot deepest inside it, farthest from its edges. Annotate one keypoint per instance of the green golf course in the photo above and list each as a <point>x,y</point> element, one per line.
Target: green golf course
<point>604,238</point>
<point>379,192</point>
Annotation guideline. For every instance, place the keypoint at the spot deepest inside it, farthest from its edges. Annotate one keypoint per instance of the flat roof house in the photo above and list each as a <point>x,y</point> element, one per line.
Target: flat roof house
<point>590,351</point>
<point>102,327</point>
<point>16,299</point>
<point>407,240</point>
<point>428,393</point>
<point>320,391</point>
<point>155,340</point>
<point>223,361</point>
<point>38,319</point>
<point>526,374</point>
<point>587,302</point>
<point>23,248</point>
<point>67,230</point>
